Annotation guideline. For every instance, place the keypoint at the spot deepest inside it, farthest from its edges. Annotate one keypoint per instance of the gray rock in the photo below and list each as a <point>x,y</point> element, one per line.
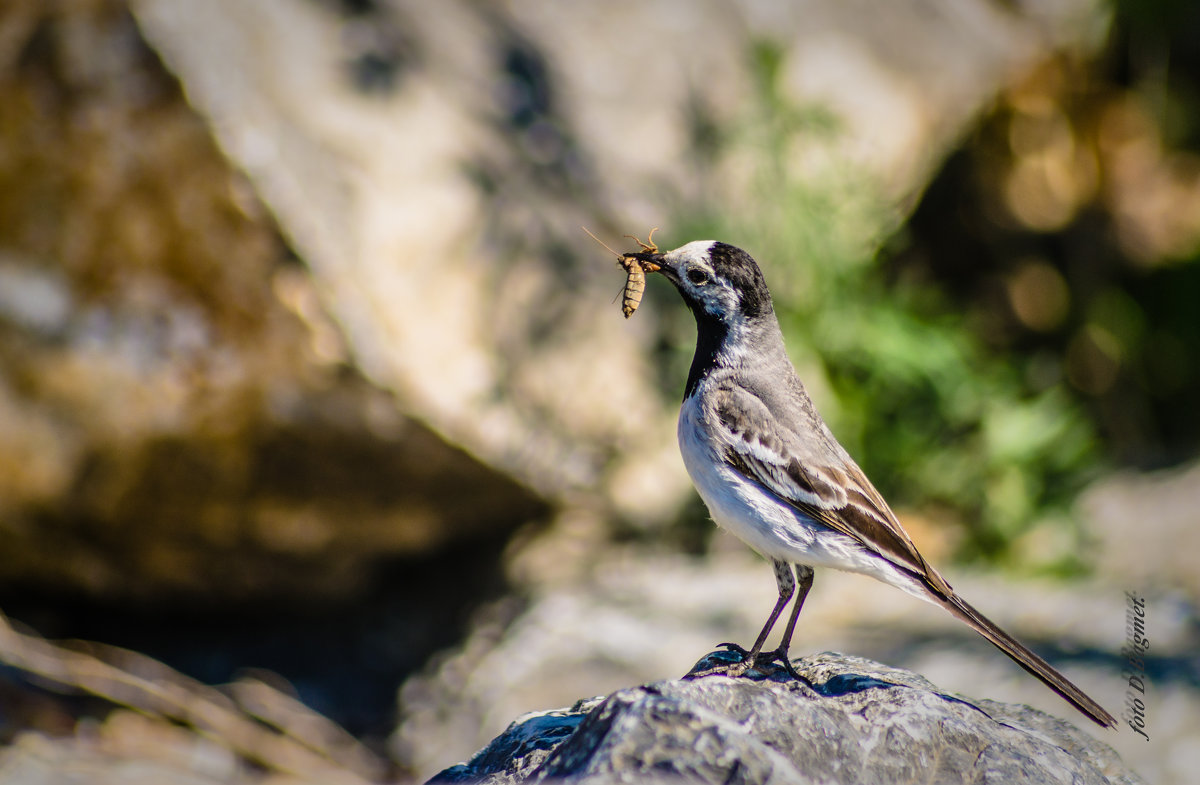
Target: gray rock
<point>1165,505</point>
<point>856,721</point>
<point>178,416</point>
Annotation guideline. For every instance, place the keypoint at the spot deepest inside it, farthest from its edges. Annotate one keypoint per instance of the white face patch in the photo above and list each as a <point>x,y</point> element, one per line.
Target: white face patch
<point>695,251</point>
<point>692,264</point>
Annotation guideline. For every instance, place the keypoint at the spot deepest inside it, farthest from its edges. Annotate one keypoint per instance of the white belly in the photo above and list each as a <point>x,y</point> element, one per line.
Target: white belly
<point>767,524</point>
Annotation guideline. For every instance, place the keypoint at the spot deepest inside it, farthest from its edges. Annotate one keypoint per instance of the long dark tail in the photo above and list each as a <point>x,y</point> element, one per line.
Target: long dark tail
<point>1026,658</point>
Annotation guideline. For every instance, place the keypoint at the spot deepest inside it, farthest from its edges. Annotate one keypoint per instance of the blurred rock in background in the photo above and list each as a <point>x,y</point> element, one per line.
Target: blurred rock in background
<point>302,348</point>
<point>179,415</point>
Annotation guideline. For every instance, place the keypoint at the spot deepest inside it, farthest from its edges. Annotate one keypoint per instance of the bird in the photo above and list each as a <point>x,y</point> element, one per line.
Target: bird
<point>771,472</point>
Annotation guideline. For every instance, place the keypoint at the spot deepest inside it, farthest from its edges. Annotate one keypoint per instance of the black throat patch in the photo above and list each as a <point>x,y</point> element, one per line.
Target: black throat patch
<point>710,337</point>
<point>741,271</point>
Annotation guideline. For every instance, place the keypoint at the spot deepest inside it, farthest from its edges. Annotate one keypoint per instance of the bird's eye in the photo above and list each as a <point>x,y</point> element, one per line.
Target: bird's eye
<point>697,276</point>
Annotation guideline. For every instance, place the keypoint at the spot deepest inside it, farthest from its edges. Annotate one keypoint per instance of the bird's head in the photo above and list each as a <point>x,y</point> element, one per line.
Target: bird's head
<point>718,281</point>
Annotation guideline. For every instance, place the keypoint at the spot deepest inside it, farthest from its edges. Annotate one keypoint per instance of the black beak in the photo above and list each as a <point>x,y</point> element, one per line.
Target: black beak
<point>650,262</point>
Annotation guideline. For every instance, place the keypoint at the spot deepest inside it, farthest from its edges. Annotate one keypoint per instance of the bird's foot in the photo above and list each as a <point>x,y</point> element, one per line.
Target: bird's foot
<point>723,664</point>
<point>780,656</point>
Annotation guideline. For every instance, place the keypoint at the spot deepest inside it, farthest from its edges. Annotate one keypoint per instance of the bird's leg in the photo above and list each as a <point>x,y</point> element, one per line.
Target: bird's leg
<point>804,575</point>
<point>787,586</point>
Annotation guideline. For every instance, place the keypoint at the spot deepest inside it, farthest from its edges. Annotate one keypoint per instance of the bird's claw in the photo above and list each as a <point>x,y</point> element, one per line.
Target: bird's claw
<point>759,662</point>
<point>781,658</point>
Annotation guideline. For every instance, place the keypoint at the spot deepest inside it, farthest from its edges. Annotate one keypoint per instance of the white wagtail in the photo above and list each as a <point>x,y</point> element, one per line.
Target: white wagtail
<point>771,472</point>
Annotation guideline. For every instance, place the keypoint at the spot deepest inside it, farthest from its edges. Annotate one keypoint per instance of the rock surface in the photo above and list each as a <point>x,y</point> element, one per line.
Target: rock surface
<point>1157,552</point>
<point>856,722</point>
